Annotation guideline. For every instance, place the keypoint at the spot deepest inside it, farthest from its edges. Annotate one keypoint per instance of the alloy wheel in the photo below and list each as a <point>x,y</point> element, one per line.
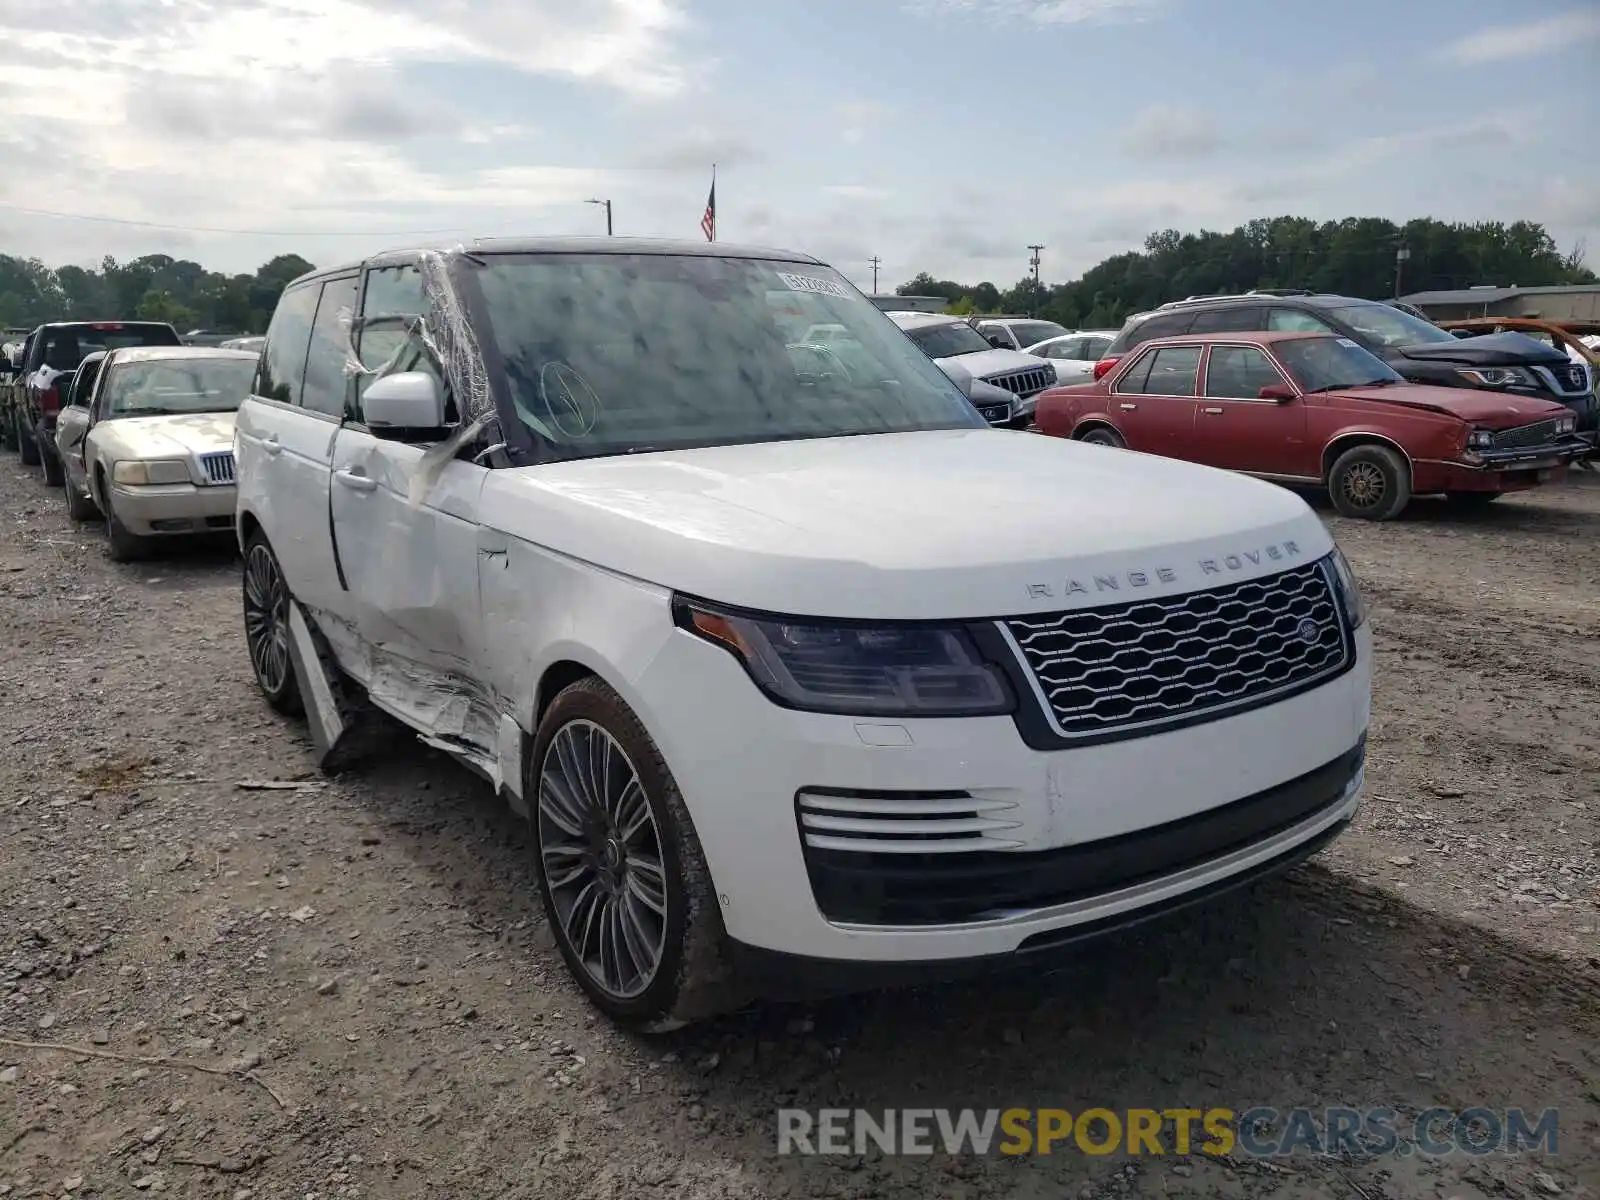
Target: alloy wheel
<point>1363,485</point>
<point>600,851</point>
<point>266,618</point>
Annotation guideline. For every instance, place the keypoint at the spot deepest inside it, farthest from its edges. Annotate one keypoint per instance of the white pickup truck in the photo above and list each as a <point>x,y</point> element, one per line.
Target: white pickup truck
<point>802,676</point>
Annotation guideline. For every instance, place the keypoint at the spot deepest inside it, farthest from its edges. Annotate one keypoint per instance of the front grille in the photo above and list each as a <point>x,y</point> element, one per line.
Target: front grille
<point>1026,382</point>
<point>1157,662</point>
<point>218,467</point>
<point>903,822</point>
<point>1569,379</point>
<point>1540,433</point>
<point>929,888</point>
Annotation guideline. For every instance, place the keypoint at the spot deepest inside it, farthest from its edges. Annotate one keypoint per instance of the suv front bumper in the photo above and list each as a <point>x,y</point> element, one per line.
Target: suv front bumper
<point>1137,798</point>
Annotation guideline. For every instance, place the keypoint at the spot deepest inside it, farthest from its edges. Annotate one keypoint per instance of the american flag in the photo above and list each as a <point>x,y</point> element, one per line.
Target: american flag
<point>708,223</point>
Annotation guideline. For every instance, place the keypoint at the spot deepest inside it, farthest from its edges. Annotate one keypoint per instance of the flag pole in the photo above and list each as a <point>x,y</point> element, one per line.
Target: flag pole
<point>713,192</point>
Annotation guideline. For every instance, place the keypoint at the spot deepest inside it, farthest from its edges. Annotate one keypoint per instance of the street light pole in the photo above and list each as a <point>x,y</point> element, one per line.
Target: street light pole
<point>1401,257</point>
<point>606,204</point>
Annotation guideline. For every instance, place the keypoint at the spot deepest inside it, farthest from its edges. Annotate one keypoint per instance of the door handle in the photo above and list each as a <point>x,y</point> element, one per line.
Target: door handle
<point>1215,412</point>
<point>271,445</point>
<point>355,481</point>
<point>1127,407</point>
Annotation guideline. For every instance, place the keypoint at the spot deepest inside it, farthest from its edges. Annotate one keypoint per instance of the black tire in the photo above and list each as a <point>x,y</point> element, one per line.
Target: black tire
<point>1370,483</point>
<point>1103,435</point>
<point>79,506</point>
<point>1471,501</point>
<point>266,626</point>
<point>691,979</point>
<point>27,447</point>
<point>54,476</point>
<point>121,544</point>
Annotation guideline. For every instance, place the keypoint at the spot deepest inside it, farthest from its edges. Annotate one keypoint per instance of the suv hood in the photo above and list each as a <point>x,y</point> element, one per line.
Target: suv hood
<point>950,524</point>
<point>1490,350</point>
<point>1482,407</point>
<point>984,363</point>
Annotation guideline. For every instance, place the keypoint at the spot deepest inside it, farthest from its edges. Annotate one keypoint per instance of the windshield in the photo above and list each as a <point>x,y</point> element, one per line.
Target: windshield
<point>621,354</point>
<point>1031,333</point>
<point>67,345</point>
<point>178,385</point>
<point>1389,326</point>
<point>1322,364</point>
<point>949,340</point>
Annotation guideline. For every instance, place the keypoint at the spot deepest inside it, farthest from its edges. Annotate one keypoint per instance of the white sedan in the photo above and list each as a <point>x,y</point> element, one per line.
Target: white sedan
<point>1073,355</point>
<point>149,444</point>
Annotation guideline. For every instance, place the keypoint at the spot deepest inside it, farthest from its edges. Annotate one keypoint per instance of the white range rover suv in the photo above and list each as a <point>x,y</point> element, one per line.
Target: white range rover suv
<point>793,691</point>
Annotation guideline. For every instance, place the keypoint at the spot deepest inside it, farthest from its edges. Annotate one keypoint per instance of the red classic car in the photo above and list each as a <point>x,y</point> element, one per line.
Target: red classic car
<point>1318,410</point>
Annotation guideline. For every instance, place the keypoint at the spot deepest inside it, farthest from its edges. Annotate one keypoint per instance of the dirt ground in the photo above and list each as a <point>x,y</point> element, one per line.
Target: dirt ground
<point>372,950</point>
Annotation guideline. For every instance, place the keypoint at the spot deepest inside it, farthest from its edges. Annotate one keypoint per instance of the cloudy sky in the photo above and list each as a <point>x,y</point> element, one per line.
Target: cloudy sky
<point>943,135</point>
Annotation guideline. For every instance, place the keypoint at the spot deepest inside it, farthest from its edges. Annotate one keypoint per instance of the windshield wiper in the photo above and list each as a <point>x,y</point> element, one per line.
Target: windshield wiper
<point>149,412</point>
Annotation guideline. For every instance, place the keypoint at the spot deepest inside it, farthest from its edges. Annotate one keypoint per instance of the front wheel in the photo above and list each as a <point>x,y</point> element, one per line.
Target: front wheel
<point>79,506</point>
<point>266,626</point>
<point>1371,483</point>
<point>122,544</point>
<point>620,869</point>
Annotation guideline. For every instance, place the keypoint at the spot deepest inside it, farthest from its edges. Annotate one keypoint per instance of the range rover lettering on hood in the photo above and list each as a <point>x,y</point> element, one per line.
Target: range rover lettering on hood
<point>1227,564</point>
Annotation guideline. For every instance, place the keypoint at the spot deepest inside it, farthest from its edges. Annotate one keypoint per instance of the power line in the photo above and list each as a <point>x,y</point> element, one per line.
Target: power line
<point>45,212</point>
<point>876,263</point>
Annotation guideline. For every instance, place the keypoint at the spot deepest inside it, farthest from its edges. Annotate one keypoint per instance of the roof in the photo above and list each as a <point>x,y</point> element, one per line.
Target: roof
<point>575,245</point>
<point>1493,295</point>
<point>1263,336</point>
<point>127,354</point>
<point>917,320</point>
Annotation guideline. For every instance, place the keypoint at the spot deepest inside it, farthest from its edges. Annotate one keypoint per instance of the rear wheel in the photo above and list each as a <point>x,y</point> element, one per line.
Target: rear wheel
<point>1371,483</point>
<point>266,625</point>
<point>53,475</point>
<point>620,869</point>
<point>27,447</point>
<point>1104,435</point>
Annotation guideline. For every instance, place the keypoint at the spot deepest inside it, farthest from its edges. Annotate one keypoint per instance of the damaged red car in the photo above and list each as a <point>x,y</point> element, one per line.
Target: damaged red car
<point>1317,410</point>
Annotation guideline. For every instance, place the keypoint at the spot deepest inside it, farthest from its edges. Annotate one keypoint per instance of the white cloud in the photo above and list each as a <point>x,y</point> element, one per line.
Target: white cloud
<point>1527,39</point>
<point>858,117</point>
<point>1170,131</point>
<point>1040,12</point>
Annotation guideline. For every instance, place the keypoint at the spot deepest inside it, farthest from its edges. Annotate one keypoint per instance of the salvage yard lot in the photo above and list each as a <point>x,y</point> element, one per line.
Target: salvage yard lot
<point>375,945</point>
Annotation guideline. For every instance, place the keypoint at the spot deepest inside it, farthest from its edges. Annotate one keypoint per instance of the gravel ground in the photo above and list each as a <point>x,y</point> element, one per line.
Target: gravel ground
<point>358,983</point>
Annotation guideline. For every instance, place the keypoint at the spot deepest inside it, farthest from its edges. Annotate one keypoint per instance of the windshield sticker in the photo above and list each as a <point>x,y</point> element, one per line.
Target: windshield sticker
<point>1348,342</point>
<point>817,287</point>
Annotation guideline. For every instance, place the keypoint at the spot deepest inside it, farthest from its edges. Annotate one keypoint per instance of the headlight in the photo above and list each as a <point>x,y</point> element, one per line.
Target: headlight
<point>137,474</point>
<point>1498,377</point>
<point>856,669</point>
<point>1568,424</point>
<point>1349,593</point>
<point>1480,439</point>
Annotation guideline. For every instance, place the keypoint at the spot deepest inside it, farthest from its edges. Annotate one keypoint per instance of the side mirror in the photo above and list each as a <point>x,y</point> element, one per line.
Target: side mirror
<point>998,342</point>
<point>406,403</point>
<point>1276,391</point>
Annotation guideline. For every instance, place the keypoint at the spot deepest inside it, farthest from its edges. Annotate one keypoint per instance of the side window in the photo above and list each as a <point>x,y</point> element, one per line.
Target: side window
<point>1068,349</point>
<point>392,297</point>
<point>326,381</point>
<point>1237,318</point>
<point>1239,373</point>
<point>1173,371</point>
<point>1171,325</point>
<point>1095,348</point>
<point>1134,381</point>
<point>283,359</point>
<point>1291,320</point>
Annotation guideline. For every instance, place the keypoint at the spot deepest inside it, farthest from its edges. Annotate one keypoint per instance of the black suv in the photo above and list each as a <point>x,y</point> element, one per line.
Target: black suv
<point>1419,351</point>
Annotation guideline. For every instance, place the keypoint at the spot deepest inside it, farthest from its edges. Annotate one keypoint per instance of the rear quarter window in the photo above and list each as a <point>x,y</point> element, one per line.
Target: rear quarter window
<point>1166,325</point>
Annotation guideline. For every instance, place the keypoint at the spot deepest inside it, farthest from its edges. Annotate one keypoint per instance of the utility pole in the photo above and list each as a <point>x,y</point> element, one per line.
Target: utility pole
<point>1033,309</point>
<point>605,204</point>
<point>876,262</point>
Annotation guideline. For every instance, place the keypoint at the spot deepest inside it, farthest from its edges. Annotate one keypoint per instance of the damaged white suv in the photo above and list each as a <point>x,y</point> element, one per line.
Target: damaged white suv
<point>794,692</point>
